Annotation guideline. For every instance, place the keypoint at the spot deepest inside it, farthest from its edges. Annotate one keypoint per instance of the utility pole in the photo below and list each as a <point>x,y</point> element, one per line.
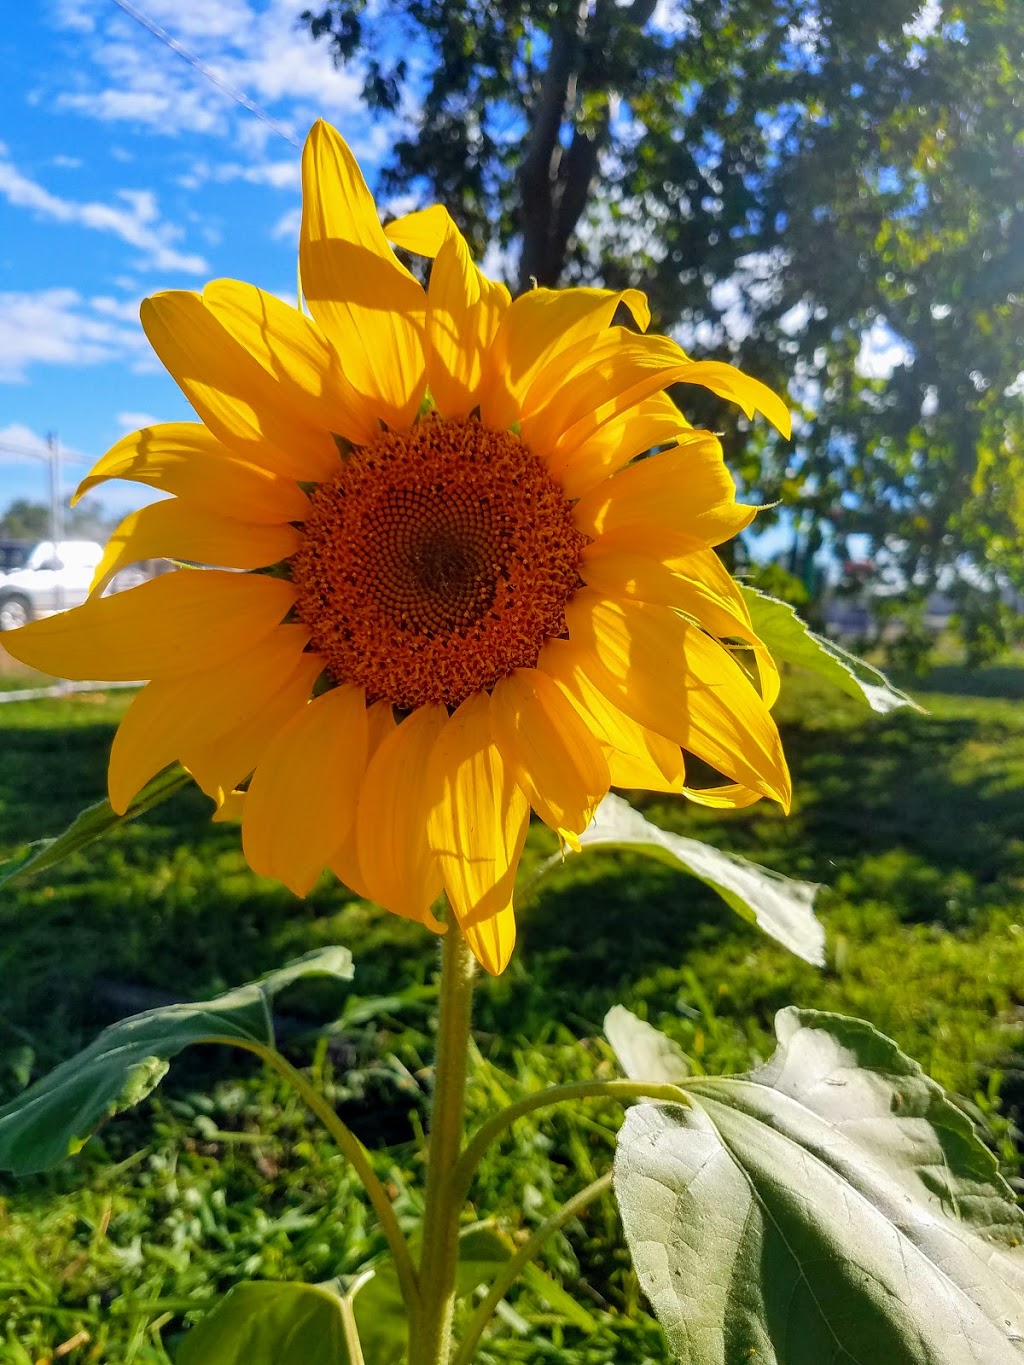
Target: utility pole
<point>56,506</point>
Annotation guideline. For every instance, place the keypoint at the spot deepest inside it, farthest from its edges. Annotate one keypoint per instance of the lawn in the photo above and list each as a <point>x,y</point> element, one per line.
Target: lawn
<point>914,823</point>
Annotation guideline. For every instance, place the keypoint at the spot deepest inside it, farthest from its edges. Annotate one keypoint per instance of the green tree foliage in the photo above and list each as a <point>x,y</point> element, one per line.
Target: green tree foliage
<point>25,520</point>
<point>782,178</point>
<point>29,521</point>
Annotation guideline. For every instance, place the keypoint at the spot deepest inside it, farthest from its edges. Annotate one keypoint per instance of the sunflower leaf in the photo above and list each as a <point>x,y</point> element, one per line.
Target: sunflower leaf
<point>783,908</point>
<point>790,641</point>
<point>89,824</point>
<point>268,1323</point>
<point>54,1117</point>
<point>832,1206</point>
<point>644,1052</point>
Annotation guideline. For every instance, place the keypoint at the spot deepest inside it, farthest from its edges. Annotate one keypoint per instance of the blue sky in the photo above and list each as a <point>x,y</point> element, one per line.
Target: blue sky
<point>124,171</point>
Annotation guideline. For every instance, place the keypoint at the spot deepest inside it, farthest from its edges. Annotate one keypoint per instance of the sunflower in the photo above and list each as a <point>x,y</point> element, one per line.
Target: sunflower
<point>463,594</point>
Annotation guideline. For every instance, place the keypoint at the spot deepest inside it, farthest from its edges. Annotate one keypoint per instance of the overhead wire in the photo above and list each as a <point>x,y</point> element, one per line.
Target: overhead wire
<point>239,96</point>
<point>12,448</point>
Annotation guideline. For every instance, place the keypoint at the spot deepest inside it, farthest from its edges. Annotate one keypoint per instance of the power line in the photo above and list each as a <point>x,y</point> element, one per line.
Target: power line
<point>12,448</point>
<point>239,96</point>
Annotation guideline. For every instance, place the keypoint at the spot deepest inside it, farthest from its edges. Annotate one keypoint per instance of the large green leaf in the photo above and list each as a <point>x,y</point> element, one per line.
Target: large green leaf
<point>778,905</point>
<point>267,1323</point>
<point>790,641</point>
<point>381,1317</point>
<point>832,1206</point>
<point>644,1052</point>
<point>89,824</point>
<point>55,1116</point>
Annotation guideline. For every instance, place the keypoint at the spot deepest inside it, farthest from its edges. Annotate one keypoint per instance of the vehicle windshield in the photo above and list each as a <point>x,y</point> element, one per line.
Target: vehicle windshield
<point>70,553</point>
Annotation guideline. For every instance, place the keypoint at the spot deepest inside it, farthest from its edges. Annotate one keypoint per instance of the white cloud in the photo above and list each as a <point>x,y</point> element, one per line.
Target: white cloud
<point>135,421</point>
<point>256,48</point>
<point>278,175</point>
<point>125,310</point>
<point>135,220</point>
<point>75,15</point>
<point>61,327</point>
<point>19,444</point>
<point>286,229</point>
<point>66,163</point>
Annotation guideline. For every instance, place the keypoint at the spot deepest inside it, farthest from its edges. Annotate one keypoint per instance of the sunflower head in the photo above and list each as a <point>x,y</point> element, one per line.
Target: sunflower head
<point>434,582</point>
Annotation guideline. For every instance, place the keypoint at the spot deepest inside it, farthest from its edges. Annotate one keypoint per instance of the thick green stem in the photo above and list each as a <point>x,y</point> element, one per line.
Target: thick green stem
<point>430,1329</point>
<point>513,1268</point>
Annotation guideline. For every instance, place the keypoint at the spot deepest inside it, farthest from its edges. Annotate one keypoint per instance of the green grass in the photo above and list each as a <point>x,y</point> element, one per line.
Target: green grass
<point>15,676</point>
<point>914,823</point>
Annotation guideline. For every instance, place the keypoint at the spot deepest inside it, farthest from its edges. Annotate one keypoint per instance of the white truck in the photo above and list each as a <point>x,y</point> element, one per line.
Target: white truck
<point>53,578</point>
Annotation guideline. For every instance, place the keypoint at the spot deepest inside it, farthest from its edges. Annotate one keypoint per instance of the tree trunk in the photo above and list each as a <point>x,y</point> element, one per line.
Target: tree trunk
<point>555,180</point>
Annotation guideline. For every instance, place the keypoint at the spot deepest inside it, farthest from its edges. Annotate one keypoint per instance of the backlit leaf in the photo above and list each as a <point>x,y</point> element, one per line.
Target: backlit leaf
<point>265,1323</point>
<point>790,641</point>
<point>780,906</point>
<point>644,1052</point>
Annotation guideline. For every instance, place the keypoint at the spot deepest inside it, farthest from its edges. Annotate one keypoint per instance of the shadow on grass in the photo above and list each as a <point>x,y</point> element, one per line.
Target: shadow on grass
<point>957,680</point>
<point>922,813</point>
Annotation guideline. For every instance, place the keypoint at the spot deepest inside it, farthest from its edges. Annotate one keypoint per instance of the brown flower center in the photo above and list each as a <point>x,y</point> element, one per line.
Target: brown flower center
<point>438,561</point>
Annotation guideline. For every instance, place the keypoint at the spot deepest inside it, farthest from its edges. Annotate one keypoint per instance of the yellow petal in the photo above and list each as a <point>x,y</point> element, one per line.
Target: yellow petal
<point>549,750</point>
<point>640,578</point>
<point>535,331</point>
<point>476,828</point>
<point>596,384</point>
<point>674,679</point>
<point>656,421</point>
<point>732,796</point>
<point>491,940</point>
<point>226,759</point>
<point>380,722</point>
<point>171,718</point>
<point>367,304</point>
<point>243,405</point>
<point>302,798</point>
<point>687,491</point>
<point>229,811</point>
<point>423,232</point>
<point>294,352</point>
<point>176,530</point>
<point>187,459</point>
<point>636,756</point>
<point>174,624</point>
<point>749,394</point>
<point>398,869</point>
<point>464,309</point>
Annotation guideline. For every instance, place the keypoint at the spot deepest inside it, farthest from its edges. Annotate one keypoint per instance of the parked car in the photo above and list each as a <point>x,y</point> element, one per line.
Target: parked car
<point>13,554</point>
<point>54,577</point>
